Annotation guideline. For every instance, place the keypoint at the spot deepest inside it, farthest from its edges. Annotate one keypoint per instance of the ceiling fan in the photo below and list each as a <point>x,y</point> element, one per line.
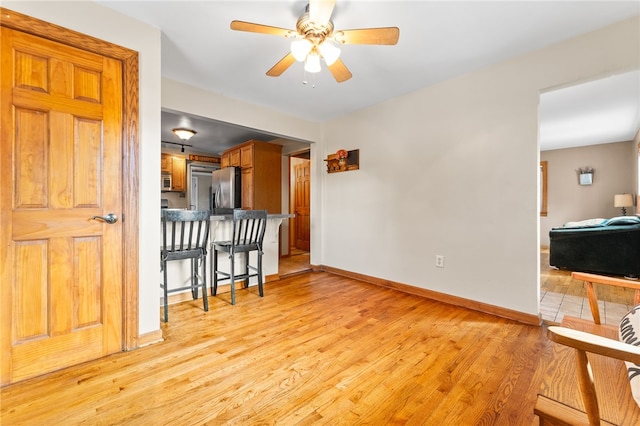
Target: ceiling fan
<point>315,38</point>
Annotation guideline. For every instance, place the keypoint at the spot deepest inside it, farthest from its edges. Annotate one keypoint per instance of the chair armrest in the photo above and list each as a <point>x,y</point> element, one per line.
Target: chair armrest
<point>590,279</point>
<point>594,344</point>
<point>602,279</point>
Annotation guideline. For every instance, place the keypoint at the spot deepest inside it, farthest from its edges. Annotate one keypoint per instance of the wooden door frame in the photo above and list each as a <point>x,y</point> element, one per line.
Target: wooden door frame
<point>130,151</point>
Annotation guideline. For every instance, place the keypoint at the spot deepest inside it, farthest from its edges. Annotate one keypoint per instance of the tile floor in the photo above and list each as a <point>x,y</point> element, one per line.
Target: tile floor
<point>561,295</point>
<point>554,306</point>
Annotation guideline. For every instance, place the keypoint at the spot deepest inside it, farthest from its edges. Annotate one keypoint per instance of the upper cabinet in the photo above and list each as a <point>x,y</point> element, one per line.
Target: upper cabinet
<point>261,164</point>
<point>224,160</point>
<point>176,166</point>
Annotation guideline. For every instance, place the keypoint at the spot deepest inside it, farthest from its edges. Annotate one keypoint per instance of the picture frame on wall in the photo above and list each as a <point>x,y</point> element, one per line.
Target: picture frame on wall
<point>586,178</point>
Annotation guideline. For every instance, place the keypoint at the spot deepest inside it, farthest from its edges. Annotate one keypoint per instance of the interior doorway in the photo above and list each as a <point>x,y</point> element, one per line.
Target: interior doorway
<point>199,196</point>
<point>565,115</point>
<point>299,241</point>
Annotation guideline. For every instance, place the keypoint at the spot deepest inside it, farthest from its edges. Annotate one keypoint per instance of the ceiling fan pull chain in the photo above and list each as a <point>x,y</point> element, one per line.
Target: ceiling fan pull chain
<point>305,81</point>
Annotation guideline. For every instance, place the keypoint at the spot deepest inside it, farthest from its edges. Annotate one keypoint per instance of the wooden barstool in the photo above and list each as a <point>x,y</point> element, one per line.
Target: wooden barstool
<point>247,236</point>
<point>184,236</point>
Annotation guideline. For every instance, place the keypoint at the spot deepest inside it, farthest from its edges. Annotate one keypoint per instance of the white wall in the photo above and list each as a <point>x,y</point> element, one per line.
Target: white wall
<point>185,98</point>
<point>92,19</point>
<point>453,169</point>
<point>567,201</point>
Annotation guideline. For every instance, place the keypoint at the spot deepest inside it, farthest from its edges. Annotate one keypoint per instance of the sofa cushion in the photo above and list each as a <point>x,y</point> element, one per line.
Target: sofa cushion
<point>629,332</point>
<point>585,223</point>
<point>622,220</point>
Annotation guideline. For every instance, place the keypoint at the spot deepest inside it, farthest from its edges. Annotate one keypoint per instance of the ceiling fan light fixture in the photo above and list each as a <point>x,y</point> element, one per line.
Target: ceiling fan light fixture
<point>312,63</point>
<point>329,52</point>
<point>300,49</point>
<point>184,134</point>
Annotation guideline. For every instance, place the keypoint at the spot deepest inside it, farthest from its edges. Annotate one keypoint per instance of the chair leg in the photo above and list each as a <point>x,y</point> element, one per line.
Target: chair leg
<point>205,296</point>
<point>233,279</point>
<point>260,283</point>
<point>246,269</point>
<point>214,273</point>
<point>194,279</point>
<point>166,301</point>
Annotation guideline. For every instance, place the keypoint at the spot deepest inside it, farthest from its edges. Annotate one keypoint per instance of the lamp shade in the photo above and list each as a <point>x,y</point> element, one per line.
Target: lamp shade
<point>300,49</point>
<point>623,200</point>
<point>312,64</point>
<point>329,52</point>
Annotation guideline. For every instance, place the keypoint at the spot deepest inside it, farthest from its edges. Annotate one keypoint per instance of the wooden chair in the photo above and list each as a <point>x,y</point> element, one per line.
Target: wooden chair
<point>612,375</point>
<point>184,236</point>
<point>591,279</point>
<point>552,412</point>
<point>247,236</point>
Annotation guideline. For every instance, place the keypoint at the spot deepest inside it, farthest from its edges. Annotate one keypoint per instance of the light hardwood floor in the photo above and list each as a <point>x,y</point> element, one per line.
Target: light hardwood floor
<point>317,349</point>
<point>296,262</point>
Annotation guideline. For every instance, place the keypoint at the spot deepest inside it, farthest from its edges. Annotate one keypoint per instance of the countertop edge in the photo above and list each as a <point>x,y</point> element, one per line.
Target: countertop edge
<point>269,216</point>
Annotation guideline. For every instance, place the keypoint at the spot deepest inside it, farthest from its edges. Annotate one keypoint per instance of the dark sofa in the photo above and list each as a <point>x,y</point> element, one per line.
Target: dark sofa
<point>603,246</point>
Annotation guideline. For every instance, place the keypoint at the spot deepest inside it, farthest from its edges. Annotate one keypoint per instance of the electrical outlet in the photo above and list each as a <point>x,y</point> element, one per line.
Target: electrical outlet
<point>439,261</point>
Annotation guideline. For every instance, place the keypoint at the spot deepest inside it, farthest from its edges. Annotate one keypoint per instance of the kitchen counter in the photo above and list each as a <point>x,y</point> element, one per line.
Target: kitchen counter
<point>269,216</point>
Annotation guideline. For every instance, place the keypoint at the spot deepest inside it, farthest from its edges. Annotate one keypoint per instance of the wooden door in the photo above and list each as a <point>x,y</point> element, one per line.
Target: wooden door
<point>302,205</point>
<point>61,165</point>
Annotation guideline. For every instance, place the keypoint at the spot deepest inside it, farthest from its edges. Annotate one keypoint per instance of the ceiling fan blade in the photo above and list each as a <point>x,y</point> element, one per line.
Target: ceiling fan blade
<point>340,71</point>
<point>320,10</point>
<point>385,35</point>
<point>281,66</point>
<point>262,29</point>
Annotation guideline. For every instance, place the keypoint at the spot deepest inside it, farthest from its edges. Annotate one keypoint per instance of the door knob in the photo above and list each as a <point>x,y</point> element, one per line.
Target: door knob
<point>110,218</point>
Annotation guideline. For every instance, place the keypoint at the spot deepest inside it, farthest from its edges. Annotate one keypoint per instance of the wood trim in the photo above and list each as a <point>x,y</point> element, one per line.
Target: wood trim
<point>131,149</point>
<point>150,338</point>
<point>180,297</point>
<point>440,297</point>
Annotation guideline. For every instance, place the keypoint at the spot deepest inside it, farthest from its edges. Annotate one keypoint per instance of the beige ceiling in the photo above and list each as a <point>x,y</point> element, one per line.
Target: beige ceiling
<point>438,41</point>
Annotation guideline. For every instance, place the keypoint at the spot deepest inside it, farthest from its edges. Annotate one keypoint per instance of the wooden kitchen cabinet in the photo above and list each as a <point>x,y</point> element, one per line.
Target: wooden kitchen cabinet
<point>261,174</point>
<point>176,166</point>
<point>224,160</point>
<point>178,174</point>
<point>165,164</point>
<point>234,158</point>
<point>246,156</point>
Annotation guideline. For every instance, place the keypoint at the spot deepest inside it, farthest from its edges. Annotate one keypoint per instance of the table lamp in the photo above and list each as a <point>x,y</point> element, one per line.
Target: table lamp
<point>623,201</point>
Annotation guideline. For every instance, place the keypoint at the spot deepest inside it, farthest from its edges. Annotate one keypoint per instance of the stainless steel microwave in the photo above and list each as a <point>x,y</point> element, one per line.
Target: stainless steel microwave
<point>165,183</point>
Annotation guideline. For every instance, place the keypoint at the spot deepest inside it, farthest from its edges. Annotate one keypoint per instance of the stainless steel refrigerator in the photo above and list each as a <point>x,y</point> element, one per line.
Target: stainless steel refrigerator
<point>226,188</point>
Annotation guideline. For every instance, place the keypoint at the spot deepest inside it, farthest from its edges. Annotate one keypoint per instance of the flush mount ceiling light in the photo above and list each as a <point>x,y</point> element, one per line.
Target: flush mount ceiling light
<point>184,134</point>
<point>314,38</point>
